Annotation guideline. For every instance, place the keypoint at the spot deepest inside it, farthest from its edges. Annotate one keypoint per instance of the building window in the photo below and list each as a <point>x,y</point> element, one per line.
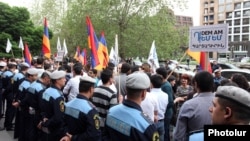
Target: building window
<point>220,22</point>
<point>211,17</point>
<point>221,8</point>
<point>205,11</point>
<point>237,14</point>
<point>246,4</point>
<point>211,10</point>
<point>221,1</point>
<point>205,4</point>
<point>244,48</point>
<point>229,38</point>
<point>245,29</point>
<point>237,22</point>
<point>206,18</point>
<point>229,30</point>
<point>229,23</point>
<point>236,37</point>
<point>229,15</point>
<point>245,37</point>
<point>237,6</point>
<point>211,3</point>
<point>236,48</point>
<point>237,30</point>
<point>246,21</point>
<point>229,7</point>
<point>246,12</point>
<point>228,1</point>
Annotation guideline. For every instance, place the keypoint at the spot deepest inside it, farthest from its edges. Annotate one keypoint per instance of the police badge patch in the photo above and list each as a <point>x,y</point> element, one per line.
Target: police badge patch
<point>61,106</point>
<point>97,121</point>
<point>156,137</point>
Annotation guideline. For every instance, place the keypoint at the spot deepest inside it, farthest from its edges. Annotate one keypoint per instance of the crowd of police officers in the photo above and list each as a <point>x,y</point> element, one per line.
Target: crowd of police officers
<point>33,105</point>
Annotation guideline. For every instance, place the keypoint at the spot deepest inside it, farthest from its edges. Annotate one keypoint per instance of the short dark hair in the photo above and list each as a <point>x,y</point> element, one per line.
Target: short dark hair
<point>133,93</point>
<point>240,112</point>
<point>47,66</point>
<point>94,71</point>
<point>39,61</point>
<point>204,81</point>
<point>85,86</point>
<point>77,69</point>
<point>156,80</point>
<point>45,74</point>
<point>162,71</point>
<point>106,74</point>
<point>125,68</point>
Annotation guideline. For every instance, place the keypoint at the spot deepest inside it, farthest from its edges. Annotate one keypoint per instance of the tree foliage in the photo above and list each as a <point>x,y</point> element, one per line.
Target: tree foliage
<point>137,24</point>
<point>15,23</point>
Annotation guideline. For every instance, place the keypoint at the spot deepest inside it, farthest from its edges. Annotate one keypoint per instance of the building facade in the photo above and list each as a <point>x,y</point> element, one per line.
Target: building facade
<point>236,13</point>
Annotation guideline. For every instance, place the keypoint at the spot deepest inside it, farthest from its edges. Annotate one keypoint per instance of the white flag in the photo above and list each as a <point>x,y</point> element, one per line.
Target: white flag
<point>116,49</point>
<point>58,46</point>
<point>65,49</point>
<point>153,58</point>
<point>112,56</point>
<point>9,46</point>
<point>21,44</point>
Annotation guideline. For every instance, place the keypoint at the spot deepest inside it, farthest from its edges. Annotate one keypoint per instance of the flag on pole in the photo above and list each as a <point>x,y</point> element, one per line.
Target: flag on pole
<point>112,56</point>
<point>93,43</point>
<point>8,46</point>
<point>153,58</point>
<point>58,45</point>
<point>77,54</point>
<point>21,44</point>
<point>116,50</point>
<point>83,57</point>
<point>65,49</point>
<point>102,53</point>
<point>46,44</point>
<point>27,55</point>
<point>202,59</point>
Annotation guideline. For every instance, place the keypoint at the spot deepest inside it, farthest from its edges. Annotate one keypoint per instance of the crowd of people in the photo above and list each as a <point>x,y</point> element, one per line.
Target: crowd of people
<point>51,101</point>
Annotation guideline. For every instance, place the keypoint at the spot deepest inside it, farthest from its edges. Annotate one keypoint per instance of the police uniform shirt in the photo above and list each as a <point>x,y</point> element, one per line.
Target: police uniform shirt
<point>35,93</point>
<point>7,80</point>
<point>22,92</point>
<point>82,120</point>
<point>17,78</point>
<point>127,122</point>
<point>52,108</point>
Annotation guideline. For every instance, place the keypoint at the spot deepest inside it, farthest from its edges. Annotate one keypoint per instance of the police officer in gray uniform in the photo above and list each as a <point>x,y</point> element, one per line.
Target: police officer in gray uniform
<point>81,117</point>
<point>127,121</point>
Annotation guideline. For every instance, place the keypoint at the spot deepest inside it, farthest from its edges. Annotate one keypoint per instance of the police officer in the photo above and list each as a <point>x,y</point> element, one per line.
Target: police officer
<point>127,121</point>
<point>31,100</point>
<point>19,77</point>
<point>2,68</point>
<point>81,117</point>
<point>8,95</point>
<point>22,115</point>
<point>53,108</point>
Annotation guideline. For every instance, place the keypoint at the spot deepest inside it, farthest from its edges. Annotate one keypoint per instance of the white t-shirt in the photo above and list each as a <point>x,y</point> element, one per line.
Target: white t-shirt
<point>112,86</point>
<point>149,105</point>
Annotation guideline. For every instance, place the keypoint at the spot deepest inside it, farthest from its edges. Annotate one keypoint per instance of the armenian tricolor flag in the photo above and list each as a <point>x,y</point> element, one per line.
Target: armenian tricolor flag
<point>46,45</point>
<point>27,55</point>
<point>102,53</point>
<point>202,59</point>
<point>93,43</point>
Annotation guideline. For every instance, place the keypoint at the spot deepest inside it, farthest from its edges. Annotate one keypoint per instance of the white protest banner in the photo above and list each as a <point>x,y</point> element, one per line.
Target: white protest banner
<point>59,56</point>
<point>209,38</point>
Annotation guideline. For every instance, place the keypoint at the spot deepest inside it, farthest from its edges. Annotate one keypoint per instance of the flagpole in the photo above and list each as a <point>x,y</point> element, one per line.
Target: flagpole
<point>12,53</point>
<point>176,65</point>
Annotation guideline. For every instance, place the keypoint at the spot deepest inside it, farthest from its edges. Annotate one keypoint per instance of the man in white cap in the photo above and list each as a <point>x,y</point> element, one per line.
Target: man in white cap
<point>2,69</point>
<point>22,118</point>
<point>8,95</point>
<point>53,108</point>
<point>81,118</point>
<point>126,121</point>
